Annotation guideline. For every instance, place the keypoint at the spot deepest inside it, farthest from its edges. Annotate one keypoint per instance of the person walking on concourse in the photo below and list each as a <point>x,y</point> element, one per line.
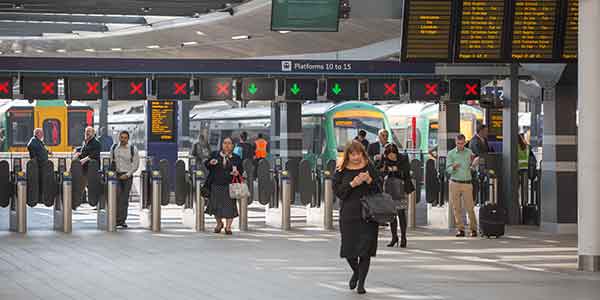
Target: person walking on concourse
<point>126,161</point>
<point>356,177</point>
<point>223,167</point>
<point>459,164</point>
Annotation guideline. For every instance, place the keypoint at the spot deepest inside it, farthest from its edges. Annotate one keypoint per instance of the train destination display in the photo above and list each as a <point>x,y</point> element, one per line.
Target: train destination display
<point>490,30</point>
<point>163,121</point>
<point>534,27</point>
<point>481,30</point>
<point>428,27</point>
<point>569,48</point>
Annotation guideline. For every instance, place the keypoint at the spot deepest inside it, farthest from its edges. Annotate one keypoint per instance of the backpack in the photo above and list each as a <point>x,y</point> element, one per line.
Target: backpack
<point>239,151</point>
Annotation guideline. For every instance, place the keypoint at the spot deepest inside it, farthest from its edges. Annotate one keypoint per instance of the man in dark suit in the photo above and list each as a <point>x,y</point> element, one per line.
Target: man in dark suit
<point>479,143</point>
<point>90,149</point>
<point>376,149</point>
<point>37,148</point>
<point>362,138</point>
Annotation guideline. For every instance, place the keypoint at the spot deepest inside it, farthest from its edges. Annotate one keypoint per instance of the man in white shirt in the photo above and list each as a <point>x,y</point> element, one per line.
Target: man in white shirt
<point>126,161</point>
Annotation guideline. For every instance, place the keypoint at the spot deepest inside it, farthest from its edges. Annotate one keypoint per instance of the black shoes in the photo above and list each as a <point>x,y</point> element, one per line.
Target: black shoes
<point>403,243</point>
<point>228,232</point>
<point>474,233</point>
<point>353,281</point>
<point>460,233</point>
<point>122,225</point>
<point>394,242</point>
<point>361,290</point>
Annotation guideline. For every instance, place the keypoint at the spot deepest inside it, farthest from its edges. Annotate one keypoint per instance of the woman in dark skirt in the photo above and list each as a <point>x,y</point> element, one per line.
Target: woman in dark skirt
<point>222,167</point>
<point>396,165</point>
<point>355,178</point>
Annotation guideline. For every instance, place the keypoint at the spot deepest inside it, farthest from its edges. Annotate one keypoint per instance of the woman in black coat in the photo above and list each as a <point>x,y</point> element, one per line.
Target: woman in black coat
<point>356,178</point>
<point>222,167</point>
<point>396,165</point>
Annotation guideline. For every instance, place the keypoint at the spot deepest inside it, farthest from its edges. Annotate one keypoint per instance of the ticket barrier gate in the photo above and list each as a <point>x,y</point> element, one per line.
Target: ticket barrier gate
<point>155,193</point>
<point>101,193</point>
<point>318,197</point>
<point>15,184</point>
<point>275,190</point>
<point>187,193</point>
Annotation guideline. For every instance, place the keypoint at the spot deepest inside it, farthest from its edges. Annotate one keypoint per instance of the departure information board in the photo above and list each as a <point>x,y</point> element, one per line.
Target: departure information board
<point>481,30</point>
<point>428,30</point>
<point>534,27</point>
<point>490,30</point>
<point>163,121</point>
<point>569,48</point>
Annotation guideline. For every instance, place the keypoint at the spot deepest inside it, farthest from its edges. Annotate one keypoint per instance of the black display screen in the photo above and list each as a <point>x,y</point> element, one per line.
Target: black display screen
<point>128,89</point>
<point>40,88</point>
<point>84,88</point>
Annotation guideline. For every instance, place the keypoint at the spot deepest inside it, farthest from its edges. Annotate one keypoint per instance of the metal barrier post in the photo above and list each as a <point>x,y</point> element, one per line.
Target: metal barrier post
<point>328,201</point>
<point>524,179</point>
<point>107,215</point>
<point>412,208</point>
<point>18,211</point>
<point>244,211</point>
<point>155,206</point>
<point>63,214</point>
<point>286,201</point>
<point>199,203</point>
<point>493,187</point>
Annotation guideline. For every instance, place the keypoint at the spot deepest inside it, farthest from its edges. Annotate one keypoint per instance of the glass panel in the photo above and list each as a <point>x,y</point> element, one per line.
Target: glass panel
<point>51,129</point>
<point>346,129</point>
<point>77,125</point>
<point>20,128</point>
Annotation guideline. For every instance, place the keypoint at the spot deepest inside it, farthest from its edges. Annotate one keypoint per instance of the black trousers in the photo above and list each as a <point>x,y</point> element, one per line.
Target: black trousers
<point>394,225</point>
<point>123,189</point>
<point>360,268</point>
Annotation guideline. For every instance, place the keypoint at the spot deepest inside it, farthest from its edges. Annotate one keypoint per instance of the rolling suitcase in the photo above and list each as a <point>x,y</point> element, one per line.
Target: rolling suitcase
<point>492,217</point>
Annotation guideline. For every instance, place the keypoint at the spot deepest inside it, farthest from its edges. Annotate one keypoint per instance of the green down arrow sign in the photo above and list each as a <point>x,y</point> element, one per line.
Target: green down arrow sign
<point>336,89</point>
<point>295,89</point>
<point>252,89</point>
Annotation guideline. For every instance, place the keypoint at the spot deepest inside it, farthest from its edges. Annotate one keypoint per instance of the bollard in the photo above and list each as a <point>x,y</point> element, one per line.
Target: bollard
<point>18,212</point>
<point>328,201</point>
<point>199,223</point>
<point>286,201</point>
<point>244,211</point>
<point>107,215</point>
<point>412,208</point>
<point>155,206</point>
<point>63,215</point>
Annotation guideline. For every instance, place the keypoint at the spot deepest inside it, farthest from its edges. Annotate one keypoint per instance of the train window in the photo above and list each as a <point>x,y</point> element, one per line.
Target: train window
<point>347,129</point>
<point>20,128</point>
<point>51,129</point>
<point>77,124</point>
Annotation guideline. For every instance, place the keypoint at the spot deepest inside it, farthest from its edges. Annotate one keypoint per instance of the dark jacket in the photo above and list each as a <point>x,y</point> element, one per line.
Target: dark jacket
<point>402,165</point>
<point>479,145</point>
<point>106,142</point>
<point>374,149</point>
<point>247,150</point>
<point>91,149</point>
<point>364,142</point>
<point>201,151</point>
<point>37,150</point>
<point>220,174</point>
<point>350,205</point>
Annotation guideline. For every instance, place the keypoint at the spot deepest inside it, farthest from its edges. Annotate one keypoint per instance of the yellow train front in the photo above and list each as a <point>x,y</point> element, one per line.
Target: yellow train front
<point>63,124</point>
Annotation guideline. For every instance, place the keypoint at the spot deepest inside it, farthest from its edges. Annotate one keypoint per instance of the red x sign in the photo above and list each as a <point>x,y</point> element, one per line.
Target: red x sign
<point>431,89</point>
<point>471,89</point>
<point>136,88</point>
<point>4,87</point>
<point>47,87</point>
<point>390,89</point>
<point>180,89</point>
<point>223,88</point>
<point>92,88</point>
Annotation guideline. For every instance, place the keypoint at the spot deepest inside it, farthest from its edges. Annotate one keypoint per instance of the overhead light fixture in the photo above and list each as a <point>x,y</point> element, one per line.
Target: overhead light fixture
<point>146,9</point>
<point>18,6</point>
<point>116,49</point>
<point>153,47</point>
<point>89,50</point>
<point>61,50</point>
<point>284,31</point>
<point>39,50</point>
<point>18,51</point>
<point>240,37</point>
<point>200,33</point>
<point>189,43</point>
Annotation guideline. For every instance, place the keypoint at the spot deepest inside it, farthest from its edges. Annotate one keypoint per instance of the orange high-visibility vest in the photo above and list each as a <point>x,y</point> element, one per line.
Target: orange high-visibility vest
<point>261,148</point>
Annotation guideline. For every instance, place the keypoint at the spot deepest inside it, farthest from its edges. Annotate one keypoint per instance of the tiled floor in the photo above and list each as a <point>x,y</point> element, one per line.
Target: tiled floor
<point>266,263</point>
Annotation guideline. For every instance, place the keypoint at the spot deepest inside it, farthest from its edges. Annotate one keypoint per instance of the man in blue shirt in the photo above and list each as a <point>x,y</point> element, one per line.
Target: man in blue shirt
<point>459,164</point>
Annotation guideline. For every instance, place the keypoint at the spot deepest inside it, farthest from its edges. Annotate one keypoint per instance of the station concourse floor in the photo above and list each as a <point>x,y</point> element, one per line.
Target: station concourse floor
<point>267,263</point>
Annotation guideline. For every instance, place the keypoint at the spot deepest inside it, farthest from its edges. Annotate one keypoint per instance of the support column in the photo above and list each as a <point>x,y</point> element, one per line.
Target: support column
<point>559,167</point>
<point>103,116</point>
<point>185,140</point>
<point>286,133</point>
<point>588,175</point>
<point>509,198</point>
<point>449,127</point>
<point>535,138</point>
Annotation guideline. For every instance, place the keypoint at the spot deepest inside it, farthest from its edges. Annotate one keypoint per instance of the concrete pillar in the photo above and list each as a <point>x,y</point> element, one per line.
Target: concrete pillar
<point>535,138</point>
<point>286,121</point>
<point>449,127</point>
<point>509,198</point>
<point>559,162</point>
<point>588,172</point>
<point>103,115</point>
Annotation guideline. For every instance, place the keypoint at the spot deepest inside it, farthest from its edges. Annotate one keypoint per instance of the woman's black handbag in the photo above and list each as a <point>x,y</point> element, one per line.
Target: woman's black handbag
<point>395,187</point>
<point>378,208</point>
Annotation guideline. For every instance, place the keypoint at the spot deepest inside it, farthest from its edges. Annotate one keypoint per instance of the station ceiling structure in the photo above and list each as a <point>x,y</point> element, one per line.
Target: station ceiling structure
<point>208,29</point>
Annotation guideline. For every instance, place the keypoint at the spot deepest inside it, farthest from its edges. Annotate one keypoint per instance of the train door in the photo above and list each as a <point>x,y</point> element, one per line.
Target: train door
<point>53,121</point>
